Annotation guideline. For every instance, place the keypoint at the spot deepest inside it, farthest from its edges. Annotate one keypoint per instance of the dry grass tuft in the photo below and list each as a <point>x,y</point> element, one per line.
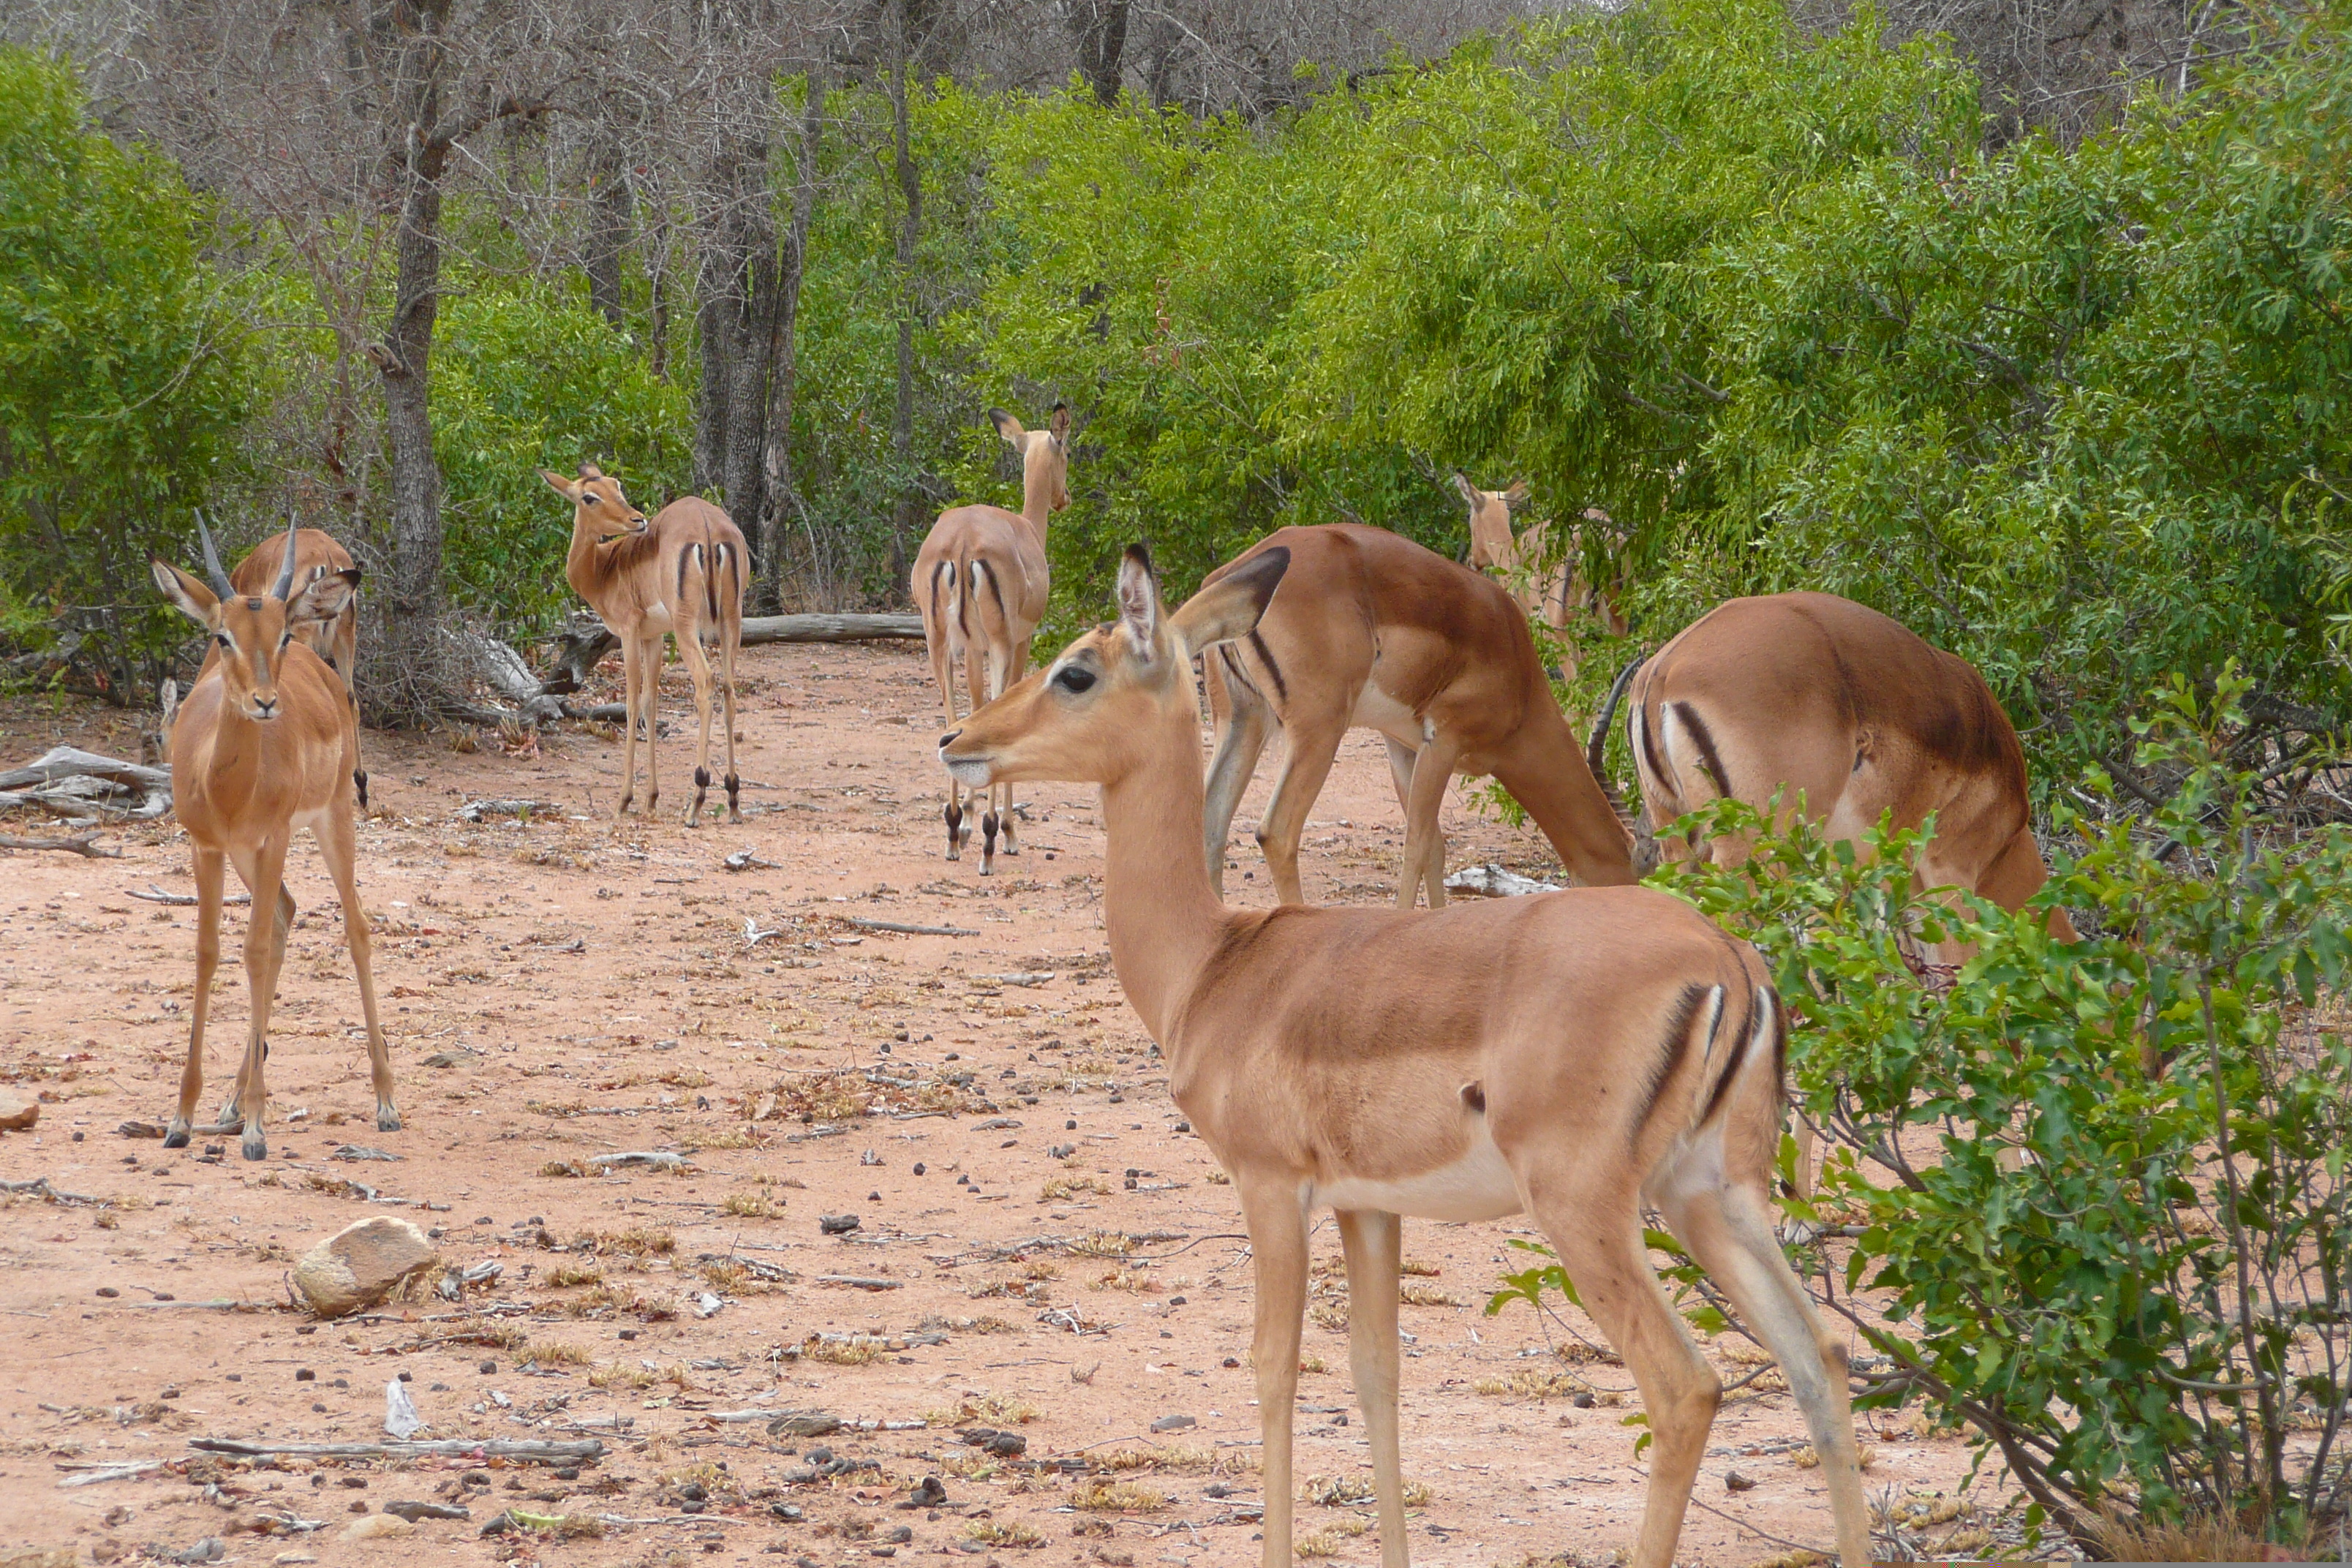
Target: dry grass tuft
<point>2198,1538</point>
<point>637,1241</point>
<point>1135,1281</point>
<point>1428,1296</point>
<point>1805,1458</point>
<point>752,1205</point>
<point>1313,1363</point>
<point>725,1274</point>
<point>978,1407</point>
<point>1118,1497</point>
<point>1532,1382</point>
<point>1327,1316</point>
<point>1328,1541</point>
<point>1414,1265</point>
<point>563,1168</point>
<point>557,1353</point>
<point>1349,1491</point>
<point>1060,1189</point>
<point>564,1276</point>
<point>1103,1244</point>
<point>1004,1532</point>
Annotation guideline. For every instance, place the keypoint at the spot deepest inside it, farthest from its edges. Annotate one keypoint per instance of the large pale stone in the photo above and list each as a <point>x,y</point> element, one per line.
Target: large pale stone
<point>18,1111</point>
<point>363,1263</point>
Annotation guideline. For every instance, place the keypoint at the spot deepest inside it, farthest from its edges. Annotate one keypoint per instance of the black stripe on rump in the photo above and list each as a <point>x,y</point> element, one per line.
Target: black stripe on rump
<point>963,599</point>
<point>1648,747</point>
<point>1672,1049</point>
<point>684,553</point>
<point>1705,739</point>
<point>994,592</point>
<point>1235,673</point>
<point>1266,654</point>
<point>1764,997</point>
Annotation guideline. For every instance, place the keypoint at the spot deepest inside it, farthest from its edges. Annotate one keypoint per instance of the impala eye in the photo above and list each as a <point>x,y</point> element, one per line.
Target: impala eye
<point>1075,677</point>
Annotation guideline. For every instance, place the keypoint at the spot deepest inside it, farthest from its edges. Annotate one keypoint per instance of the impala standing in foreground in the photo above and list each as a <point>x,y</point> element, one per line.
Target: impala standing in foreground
<point>1576,1055</point>
<point>335,639</point>
<point>1371,631</point>
<point>1557,596</point>
<point>981,582</point>
<point>265,742</point>
<point>682,573</point>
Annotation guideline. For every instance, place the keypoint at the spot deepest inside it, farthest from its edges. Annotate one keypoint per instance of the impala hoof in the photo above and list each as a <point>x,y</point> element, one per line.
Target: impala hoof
<point>387,1119</point>
<point>255,1147</point>
<point>177,1137</point>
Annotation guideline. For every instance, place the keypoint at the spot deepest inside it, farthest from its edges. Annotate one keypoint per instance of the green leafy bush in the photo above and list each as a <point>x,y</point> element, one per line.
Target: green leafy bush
<point>125,376</point>
<point>2102,1209</point>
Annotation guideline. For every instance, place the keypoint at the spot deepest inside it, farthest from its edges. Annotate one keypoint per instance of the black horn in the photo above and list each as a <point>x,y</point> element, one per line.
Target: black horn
<point>285,589</point>
<point>212,559</point>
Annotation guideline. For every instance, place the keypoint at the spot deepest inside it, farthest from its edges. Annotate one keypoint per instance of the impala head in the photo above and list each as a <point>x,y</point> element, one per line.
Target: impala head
<point>597,501</point>
<point>1490,520</point>
<point>1097,711</point>
<point>253,632</point>
<point>1044,454</point>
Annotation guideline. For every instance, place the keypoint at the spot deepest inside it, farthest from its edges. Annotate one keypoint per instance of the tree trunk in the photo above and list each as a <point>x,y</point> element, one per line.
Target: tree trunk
<point>754,240</point>
<point>715,313</point>
<point>611,208</point>
<point>1100,29</point>
<point>657,285</point>
<point>905,513</point>
<point>405,356</point>
<point>777,498</point>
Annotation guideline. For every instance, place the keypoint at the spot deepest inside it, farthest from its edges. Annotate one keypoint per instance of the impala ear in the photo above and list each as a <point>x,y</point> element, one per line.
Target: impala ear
<point>325,598</point>
<point>1517,496</point>
<point>1007,426</point>
<point>568,488</point>
<point>195,601</point>
<point>591,471</point>
<point>1060,424</point>
<point>1469,491</point>
<point>1139,600</point>
<point>1232,606</point>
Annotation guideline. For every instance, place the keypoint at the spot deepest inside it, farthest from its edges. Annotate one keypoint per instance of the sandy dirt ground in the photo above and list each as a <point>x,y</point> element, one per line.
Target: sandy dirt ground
<point>1040,1248</point>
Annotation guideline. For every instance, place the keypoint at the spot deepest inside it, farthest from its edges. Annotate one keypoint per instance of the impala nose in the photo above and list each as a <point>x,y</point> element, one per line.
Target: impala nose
<point>949,739</point>
<point>265,707</point>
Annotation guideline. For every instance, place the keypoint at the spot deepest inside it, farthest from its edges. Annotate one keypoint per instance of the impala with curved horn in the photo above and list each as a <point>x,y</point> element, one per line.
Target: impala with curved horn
<point>981,580</point>
<point>1371,631</point>
<point>1578,1055</point>
<point>317,555</point>
<point>1557,594</point>
<point>264,742</point>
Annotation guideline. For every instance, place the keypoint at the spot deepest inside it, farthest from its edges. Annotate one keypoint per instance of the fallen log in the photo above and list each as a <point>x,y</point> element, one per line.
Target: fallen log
<point>83,845</point>
<point>528,1452</point>
<point>830,628</point>
<point>77,785</point>
<point>897,928</point>
<point>155,895</point>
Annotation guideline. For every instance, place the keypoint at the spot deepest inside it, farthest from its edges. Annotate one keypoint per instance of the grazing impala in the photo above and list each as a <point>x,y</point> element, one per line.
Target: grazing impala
<point>683,573</point>
<point>1371,631</point>
<point>981,582</point>
<point>264,742</point>
<point>1556,595</point>
<point>336,639</point>
<point>1578,1055</point>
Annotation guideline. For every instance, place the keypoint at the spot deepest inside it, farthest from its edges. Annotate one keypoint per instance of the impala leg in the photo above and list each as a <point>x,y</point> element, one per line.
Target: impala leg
<point>1372,1240</point>
<point>650,666</point>
<point>336,842</point>
<point>1401,758</point>
<point>232,1113</point>
<point>1425,841</point>
<point>943,671</point>
<point>727,646</point>
<point>1598,1234</point>
<point>1010,679</point>
<point>698,666</point>
<point>628,725</point>
<point>209,866</point>
<point>975,683</point>
<point>265,954</point>
<point>1243,722</point>
<point>1277,1220</point>
<point>1728,1229</point>
<point>1313,746</point>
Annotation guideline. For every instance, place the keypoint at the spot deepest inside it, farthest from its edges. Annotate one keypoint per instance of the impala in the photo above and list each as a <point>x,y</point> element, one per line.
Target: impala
<point>1556,595</point>
<point>336,639</point>
<point>1371,631</point>
<point>682,574</point>
<point>266,742</point>
<point>1575,1055</point>
<point>981,582</point>
<point>1847,716</point>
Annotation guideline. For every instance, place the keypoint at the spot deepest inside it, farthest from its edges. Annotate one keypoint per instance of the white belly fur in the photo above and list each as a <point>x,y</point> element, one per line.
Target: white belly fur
<point>1476,1187</point>
<point>1376,709</point>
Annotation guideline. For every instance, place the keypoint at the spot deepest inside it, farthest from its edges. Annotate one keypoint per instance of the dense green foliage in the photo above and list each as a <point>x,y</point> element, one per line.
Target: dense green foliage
<point>125,377</point>
<point>2144,1305</point>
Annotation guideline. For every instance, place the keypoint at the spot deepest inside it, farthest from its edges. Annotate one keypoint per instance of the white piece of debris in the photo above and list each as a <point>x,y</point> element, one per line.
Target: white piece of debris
<point>1494,882</point>
<point>400,1417</point>
<point>653,1160</point>
<point>707,1304</point>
